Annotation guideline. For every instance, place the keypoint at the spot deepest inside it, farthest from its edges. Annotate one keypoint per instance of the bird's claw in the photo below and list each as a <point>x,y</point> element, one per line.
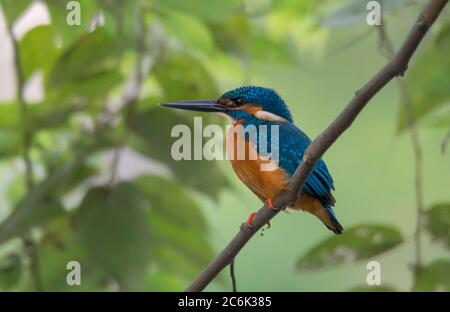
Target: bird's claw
<point>269,203</point>
<point>250,218</point>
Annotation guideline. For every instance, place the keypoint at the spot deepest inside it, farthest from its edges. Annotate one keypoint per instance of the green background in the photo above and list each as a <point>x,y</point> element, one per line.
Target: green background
<point>156,232</point>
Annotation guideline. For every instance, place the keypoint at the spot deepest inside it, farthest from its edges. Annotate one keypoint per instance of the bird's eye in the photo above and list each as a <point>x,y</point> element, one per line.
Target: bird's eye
<point>238,102</point>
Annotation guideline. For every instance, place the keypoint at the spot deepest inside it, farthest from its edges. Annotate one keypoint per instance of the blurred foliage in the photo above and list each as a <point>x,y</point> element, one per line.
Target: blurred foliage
<point>434,277</point>
<point>355,11</point>
<point>366,288</point>
<point>438,222</point>
<point>10,272</point>
<point>357,243</point>
<point>102,82</point>
<point>111,220</point>
<point>427,81</point>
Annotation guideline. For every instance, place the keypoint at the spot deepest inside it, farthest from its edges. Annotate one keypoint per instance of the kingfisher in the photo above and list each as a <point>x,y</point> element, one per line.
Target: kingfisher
<point>258,107</point>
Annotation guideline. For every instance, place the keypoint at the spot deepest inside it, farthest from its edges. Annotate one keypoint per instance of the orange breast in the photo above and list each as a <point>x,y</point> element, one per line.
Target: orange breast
<point>266,184</point>
<point>248,167</point>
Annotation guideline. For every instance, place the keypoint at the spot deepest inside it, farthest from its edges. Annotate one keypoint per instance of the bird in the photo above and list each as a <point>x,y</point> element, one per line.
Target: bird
<point>260,106</point>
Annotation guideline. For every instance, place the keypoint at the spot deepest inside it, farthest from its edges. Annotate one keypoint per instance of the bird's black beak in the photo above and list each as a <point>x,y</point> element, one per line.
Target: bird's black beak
<point>197,105</point>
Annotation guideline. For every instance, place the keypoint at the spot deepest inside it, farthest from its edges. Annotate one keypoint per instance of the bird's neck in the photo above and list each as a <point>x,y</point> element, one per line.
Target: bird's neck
<point>252,120</point>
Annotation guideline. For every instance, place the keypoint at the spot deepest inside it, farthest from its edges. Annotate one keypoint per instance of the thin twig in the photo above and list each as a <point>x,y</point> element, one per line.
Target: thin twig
<point>387,45</point>
<point>396,66</point>
<point>132,91</point>
<point>31,250</point>
<point>445,142</point>
<point>233,276</point>
<point>27,239</point>
<point>350,43</point>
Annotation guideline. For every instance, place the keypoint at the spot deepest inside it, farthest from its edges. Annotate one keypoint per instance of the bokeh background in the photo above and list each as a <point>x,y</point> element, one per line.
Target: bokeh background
<point>86,172</point>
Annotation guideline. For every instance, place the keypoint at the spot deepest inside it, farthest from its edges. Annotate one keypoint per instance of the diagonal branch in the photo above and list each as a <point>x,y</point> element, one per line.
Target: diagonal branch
<point>396,66</point>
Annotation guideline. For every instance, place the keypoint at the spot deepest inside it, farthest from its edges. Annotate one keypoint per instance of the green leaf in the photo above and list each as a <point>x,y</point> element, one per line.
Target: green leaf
<point>96,85</point>
<point>86,70</point>
<point>213,10</point>
<point>12,9</point>
<point>46,116</point>
<point>191,31</point>
<point>300,8</point>
<point>32,55</point>
<point>58,14</point>
<point>83,172</point>
<point>434,277</point>
<point>61,244</point>
<point>120,20</point>
<point>441,119</point>
<point>172,201</point>
<point>179,231</point>
<point>113,227</point>
<point>355,11</point>
<point>177,85</point>
<point>269,51</point>
<point>38,116</point>
<point>43,211</point>
<point>10,115</point>
<point>173,258</point>
<point>10,143</point>
<point>427,80</point>
<point>10,272</point>
<point>233,35</point>
<point>357,243</point>
<point>37,206</point>
<point>438,222</point>
<point>160,280</point>
<point>154,127</point>
<point>92,54</point>
<point>375,288</point>
<point>190,242</point>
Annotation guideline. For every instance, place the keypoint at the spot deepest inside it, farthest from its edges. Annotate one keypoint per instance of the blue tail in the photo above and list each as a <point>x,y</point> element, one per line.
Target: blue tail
<point>337,227</point>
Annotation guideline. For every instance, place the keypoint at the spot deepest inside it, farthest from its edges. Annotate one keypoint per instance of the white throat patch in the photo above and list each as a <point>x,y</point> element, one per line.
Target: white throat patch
<point>265,115</point>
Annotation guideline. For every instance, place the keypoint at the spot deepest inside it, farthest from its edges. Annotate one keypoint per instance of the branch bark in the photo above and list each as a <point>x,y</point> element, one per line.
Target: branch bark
<point>396,66</point>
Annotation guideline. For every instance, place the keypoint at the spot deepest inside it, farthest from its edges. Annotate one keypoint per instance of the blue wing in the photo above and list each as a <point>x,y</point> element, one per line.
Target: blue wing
<point>292,145</point>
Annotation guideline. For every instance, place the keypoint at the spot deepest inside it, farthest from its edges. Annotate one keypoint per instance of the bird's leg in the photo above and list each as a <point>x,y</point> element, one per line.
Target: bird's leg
<point>269,203</point>
<point>250,218</point>
<point>270,206</point>
<point>252,215</point>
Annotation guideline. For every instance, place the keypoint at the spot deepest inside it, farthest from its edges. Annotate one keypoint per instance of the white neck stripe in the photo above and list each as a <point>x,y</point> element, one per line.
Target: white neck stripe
<point>265,115</point>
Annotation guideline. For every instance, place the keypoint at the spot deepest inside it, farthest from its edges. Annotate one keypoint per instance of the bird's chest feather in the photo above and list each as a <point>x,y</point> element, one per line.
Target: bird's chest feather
<point>248,166</point>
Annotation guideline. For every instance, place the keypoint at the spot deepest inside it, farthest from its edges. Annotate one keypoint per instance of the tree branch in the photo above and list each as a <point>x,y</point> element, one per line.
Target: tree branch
<point>395,67</point>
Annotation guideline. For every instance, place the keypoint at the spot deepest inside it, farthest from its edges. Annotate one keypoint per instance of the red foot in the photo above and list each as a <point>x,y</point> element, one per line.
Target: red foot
<point>250,218</point>
<point>269,203</point>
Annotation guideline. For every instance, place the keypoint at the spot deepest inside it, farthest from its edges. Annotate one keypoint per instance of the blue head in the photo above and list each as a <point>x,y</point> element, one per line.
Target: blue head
<point>243,103</point>
<point>255,101</point>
